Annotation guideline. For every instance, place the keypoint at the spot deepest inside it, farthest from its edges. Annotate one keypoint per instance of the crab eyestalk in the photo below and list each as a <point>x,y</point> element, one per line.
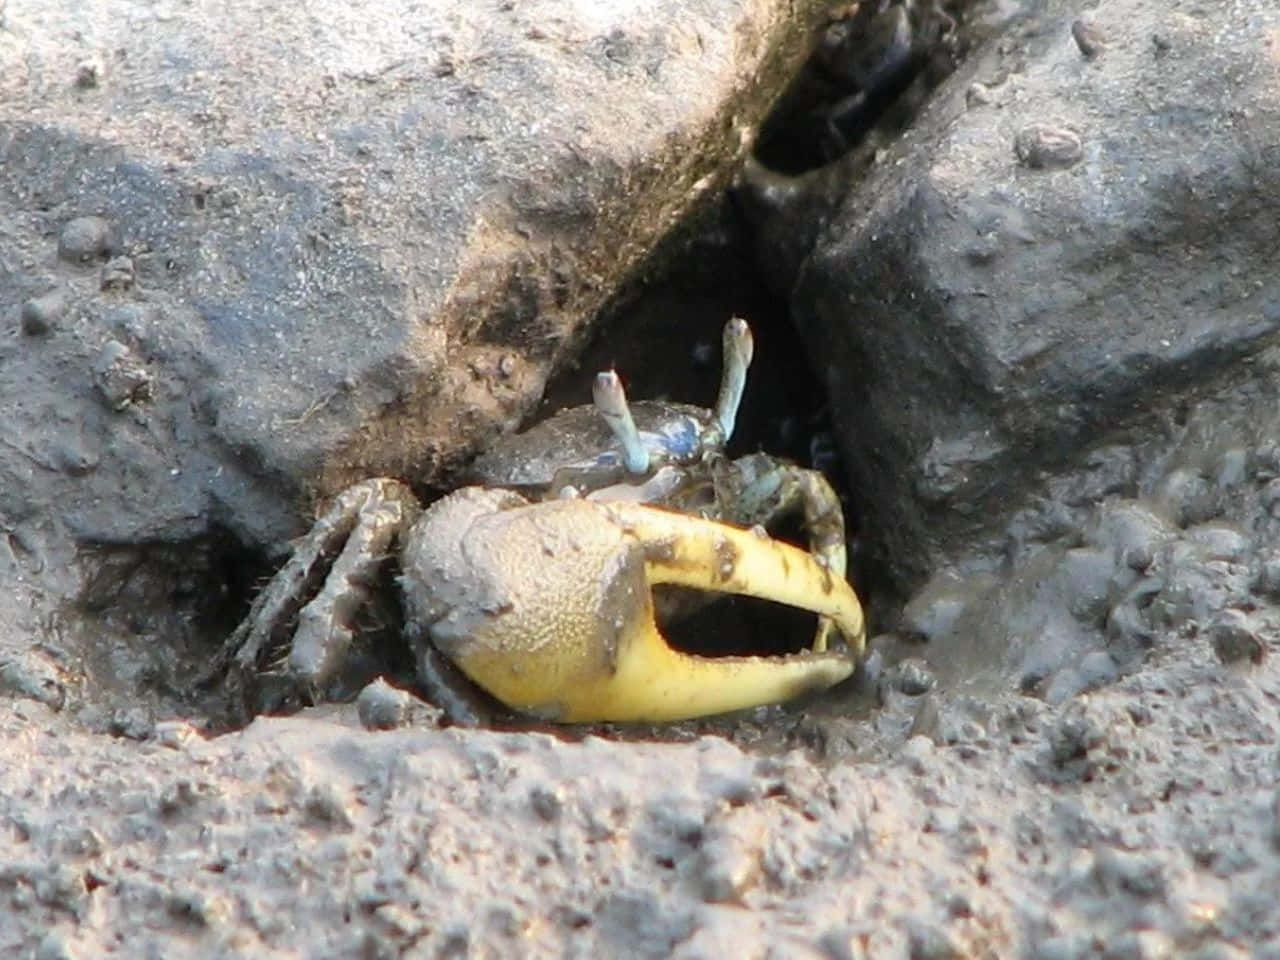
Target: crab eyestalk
<point>611,401</point>
<point>738,349</point>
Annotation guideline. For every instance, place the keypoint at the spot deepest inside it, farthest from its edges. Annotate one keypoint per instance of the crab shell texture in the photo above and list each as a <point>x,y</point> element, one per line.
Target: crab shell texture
<point>549,608</point>
<point>578,443</point>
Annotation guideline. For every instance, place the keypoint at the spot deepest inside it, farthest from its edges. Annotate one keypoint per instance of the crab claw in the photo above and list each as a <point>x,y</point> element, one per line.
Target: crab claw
<point>549,607</point>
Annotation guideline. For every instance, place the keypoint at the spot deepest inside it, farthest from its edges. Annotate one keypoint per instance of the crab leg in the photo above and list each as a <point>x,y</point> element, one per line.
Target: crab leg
<point>358,527</point>
<point>764,489</point>
<point>739,346</point>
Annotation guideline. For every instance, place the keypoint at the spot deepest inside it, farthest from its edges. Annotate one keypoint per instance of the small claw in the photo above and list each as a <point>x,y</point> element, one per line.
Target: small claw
<point>549,607</point>
<point>739,346</point>
<point>611,400</point>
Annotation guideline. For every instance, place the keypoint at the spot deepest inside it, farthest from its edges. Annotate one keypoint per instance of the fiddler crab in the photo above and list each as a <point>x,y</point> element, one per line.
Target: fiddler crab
<point>537,583</point>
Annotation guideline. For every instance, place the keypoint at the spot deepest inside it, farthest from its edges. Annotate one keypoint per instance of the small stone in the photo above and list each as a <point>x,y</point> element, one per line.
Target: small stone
<point>325,805</point>
<point>175,734</point>
<point>730,859</point>
<point>1063,686</point>
<point>85,239</point>
<point>913,677</point>
<point>40,314</point>
<point>1136,875</point>
<point>918,754</point>
<point>546,803</point>
<point>1088,36</point>
<point>117,274</point>
<point>1043,147</point>
<point>88,73</point>
<point>32,674</point>
<point>121,378</point>
<point>73,458</point>
<point>1267,583</point>
<point>134,723</point>
<point>1234,640</point>
<point>381,706</point>
<point>978,94</point>
<point>198,908</point>
<point>1077,732</point>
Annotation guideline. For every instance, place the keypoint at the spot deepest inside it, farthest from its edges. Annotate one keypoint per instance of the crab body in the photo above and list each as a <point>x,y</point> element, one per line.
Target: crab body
<point>537,584</point>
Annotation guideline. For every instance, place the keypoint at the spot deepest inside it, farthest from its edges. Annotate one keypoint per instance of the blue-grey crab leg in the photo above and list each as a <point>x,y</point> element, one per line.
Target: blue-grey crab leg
<point>761,489</point>
<point>739,346</point>
<point>355,535</point>
<point>611,401</point>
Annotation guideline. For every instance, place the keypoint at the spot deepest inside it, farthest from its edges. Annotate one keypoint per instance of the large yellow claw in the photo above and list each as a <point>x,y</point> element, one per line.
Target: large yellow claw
<point>549,608</point>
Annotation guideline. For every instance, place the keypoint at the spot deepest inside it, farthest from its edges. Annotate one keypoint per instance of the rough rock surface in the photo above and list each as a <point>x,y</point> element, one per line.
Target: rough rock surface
<point>340,240</point>
<point>1066,248</point>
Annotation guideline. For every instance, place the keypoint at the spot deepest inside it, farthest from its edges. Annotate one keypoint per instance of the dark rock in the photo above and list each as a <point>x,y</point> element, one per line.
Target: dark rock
<point>983,327</point>
<point>1235,640</point>
<point>121,377</point>
<point>330,243</point>
<point>40,314</point>
<point>1088,37</point>
<point>85,239</point>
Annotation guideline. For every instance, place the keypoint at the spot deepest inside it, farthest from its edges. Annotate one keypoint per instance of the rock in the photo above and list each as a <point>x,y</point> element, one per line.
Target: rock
<point>85,239</point>
<point>1042,147</point>
<point>975,350</point>
<point>117,274</point>
<point>330,238</point>
<point>40,314</point>
<point>381,706</point>
<point>121,378</point>
<point>1235,640</point>
<point>1088,36</point>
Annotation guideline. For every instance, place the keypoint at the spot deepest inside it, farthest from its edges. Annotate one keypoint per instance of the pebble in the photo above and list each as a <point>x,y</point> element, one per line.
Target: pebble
<point>88,73</point>
<point>1043,147</point>
<point>41,314</point>
<point>85,239</point>
<point>117,274</point>
<point>730,860</point>
<point>1077,732</point>
<point>1267,582</point>
<point>1234,639</point>
<point>121,378</point>
<point>325,805</point>
<point>1098,669</point>
<point>381,706</point>
<point>930,941</point>
<point>32,674</point>
<point>1088,37</point>
<point>546,803</point>
<point>1138,875</point>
